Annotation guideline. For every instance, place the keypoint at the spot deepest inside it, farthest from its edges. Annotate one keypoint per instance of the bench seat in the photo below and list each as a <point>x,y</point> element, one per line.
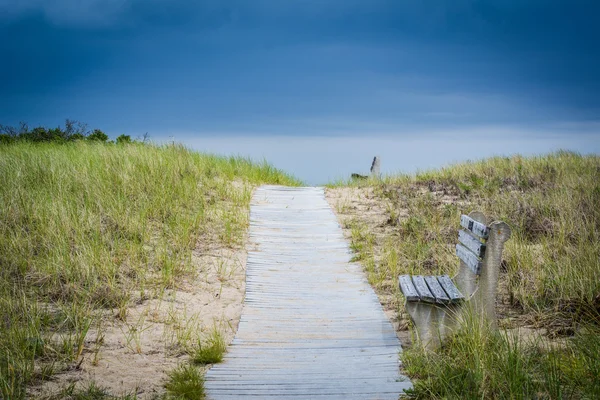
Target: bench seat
<point>431,289</point>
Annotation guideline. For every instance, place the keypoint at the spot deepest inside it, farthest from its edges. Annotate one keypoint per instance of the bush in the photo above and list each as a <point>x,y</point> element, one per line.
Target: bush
<point>6,139</point>
<point>98,135</point>
<point>73,131</point>
<point>122,139</point>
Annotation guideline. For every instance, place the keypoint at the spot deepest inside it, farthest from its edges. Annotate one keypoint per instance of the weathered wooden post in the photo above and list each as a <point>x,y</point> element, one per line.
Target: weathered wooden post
<point>375,168</point>
<point>485,297</point>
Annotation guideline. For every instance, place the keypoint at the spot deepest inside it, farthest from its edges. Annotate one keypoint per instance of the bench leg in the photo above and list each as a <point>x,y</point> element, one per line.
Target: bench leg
<point>433,323</point>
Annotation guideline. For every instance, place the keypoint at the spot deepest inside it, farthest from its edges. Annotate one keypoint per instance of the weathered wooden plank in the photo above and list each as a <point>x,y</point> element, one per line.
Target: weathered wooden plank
<point>477,228</point>
<point>345,396</point>
<point>408,288</point>
<point>436,289</point>
<point>451,290</point>
<point>471,243</point>
<point>422,289</point>
<point>469,258</point>
<point>312,327</point>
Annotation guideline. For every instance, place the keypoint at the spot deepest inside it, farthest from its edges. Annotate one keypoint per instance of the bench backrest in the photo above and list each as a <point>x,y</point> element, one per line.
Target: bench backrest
<point>471,246</point>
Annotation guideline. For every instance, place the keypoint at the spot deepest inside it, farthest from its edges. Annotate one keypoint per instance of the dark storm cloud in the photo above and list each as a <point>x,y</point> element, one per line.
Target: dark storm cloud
<point>238,64</point>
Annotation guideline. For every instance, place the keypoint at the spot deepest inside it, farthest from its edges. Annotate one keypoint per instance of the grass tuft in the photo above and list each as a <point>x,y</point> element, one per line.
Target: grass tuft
<point>185,382</point>
<point>90,392</point>
<point>212,350</point>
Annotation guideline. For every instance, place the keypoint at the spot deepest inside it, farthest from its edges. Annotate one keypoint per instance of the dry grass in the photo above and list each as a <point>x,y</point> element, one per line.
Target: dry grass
<point>89,230</point>
<point>551,278</point>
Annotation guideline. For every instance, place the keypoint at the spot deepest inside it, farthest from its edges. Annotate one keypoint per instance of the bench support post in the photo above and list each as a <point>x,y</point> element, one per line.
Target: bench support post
<point>485,298</point>
<point>433,323</point>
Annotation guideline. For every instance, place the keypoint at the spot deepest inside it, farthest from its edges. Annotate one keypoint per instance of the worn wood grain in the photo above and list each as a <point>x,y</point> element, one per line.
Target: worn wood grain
<point>422,288</point>
<point>408,288</point>
<point>469,258</point>
<point>311,326</point>
<point>477,228</point>
<point>450,288</point>
<point>437,290</point>
<point>471,243</point>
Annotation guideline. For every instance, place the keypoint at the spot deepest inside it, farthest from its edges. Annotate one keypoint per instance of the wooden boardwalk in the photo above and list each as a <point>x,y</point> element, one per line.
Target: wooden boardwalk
<point>311,326</point>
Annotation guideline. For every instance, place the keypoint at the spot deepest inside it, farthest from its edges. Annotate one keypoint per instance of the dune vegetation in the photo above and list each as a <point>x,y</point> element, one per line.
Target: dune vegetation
<point>88,226</point>
<point>90,229</point>
<point>548,344</point>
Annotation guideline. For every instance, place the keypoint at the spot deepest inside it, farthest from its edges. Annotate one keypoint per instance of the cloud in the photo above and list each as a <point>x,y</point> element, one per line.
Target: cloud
<point>107,14</point>
<point>218,61</point>
<point>66,12</point>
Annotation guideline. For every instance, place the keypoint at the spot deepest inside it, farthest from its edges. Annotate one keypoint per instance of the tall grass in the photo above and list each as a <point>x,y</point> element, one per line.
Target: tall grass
<point>84,225</point>
<point>551,277</point>
<point>480,362</point>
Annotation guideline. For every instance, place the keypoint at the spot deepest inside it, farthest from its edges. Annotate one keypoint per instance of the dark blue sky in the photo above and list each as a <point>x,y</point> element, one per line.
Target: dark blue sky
<point>294,68</point>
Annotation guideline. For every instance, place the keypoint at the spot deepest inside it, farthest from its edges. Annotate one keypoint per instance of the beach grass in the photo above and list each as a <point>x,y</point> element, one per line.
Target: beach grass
<point>550,283</point>
<point>87,227</point>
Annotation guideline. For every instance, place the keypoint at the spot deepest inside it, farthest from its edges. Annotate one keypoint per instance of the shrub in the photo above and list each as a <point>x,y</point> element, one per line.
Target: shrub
<point>98,135</point>
<point>122,139</point>
<point>6,139</point>
<point>73,131</point>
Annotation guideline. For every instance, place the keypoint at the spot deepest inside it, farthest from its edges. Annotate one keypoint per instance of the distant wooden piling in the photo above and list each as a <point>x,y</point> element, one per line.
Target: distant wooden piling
<point>375,168</point>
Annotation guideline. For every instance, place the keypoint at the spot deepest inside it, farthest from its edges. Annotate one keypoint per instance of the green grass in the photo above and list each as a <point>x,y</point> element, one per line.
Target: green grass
<point>90,392</point>
<point>551,275</point>
<point>211,350</point>
<point>83,226</point>
<point>479,362</point>
<point>185,382</point>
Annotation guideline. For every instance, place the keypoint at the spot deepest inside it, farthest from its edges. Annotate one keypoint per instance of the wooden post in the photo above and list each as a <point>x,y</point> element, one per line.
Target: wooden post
<point>375,168</point>
<point>485,299</point>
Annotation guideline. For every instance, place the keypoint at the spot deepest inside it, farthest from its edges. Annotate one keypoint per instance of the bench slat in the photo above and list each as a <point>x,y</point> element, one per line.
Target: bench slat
<point>469,258</point>
<point>477,228</point>
<point>422,289</point>
<point>407,288</point>
<point>436,289</point>
<point>451,290</point>
<point>471,243</point>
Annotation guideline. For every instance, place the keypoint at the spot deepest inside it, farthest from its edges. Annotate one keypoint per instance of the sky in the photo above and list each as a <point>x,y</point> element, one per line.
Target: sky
<point>318,87</point>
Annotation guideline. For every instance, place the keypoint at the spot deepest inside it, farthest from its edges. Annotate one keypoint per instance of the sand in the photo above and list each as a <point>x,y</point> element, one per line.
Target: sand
<point>134,356</point>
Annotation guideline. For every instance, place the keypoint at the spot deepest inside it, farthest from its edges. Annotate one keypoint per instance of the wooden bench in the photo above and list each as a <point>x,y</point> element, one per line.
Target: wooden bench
<point>431,299</point>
